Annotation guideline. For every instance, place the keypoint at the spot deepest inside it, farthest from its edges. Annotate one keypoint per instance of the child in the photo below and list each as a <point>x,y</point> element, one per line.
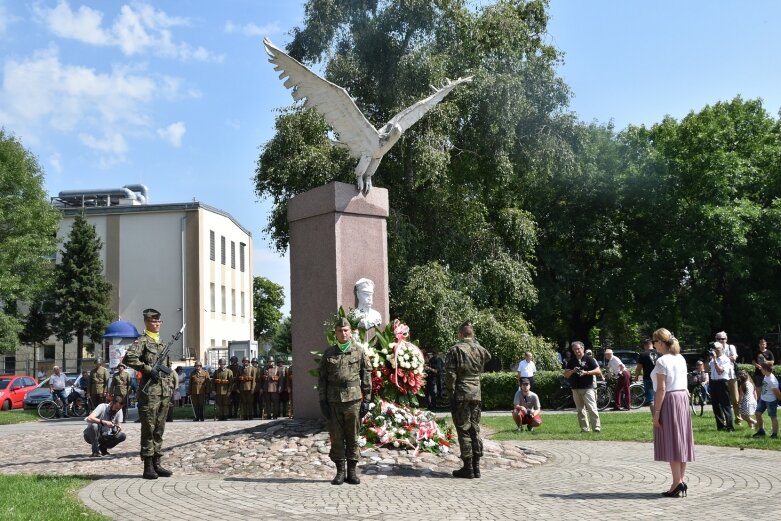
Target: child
<point>748,400</point>
<point>768,401</point>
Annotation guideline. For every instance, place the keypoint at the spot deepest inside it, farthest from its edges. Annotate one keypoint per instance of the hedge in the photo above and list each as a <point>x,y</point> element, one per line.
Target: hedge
<point>498,389</point>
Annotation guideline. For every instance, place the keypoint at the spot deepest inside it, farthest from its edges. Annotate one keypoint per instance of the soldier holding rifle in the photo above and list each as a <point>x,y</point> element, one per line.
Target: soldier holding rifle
<point>150,356</point>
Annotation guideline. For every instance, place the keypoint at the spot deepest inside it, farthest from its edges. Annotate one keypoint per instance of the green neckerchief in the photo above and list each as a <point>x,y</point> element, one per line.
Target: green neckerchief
<point>344,347</point>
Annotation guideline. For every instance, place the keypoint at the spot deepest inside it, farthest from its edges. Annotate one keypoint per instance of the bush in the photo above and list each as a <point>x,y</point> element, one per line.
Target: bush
<point>498,389</point>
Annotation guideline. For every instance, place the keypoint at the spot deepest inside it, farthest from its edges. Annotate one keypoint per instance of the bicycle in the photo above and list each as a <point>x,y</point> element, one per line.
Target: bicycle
<point>606,397</point>
<point>53,408</point>
<point>696,394</point>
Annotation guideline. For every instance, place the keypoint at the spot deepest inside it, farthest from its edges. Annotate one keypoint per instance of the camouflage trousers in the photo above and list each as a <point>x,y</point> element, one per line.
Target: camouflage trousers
<point>466,418</point>
<point>152,411</point>
<point>343,426</point>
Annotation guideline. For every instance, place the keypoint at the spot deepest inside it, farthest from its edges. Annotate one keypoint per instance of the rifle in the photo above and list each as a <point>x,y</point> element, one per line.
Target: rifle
<point>160,366</point>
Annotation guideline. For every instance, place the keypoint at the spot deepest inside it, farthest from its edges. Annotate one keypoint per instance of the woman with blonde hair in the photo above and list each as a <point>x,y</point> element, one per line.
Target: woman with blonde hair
<point>673,437</point>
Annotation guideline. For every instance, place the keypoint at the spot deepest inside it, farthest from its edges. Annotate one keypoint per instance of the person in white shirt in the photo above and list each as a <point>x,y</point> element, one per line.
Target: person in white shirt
<point>720,370</point>
<point>526,369</point>
<point>103,431</point>
<point>623,380</point>
<point>57,383</point>
<point>768,401</point>
<point>731,352</point>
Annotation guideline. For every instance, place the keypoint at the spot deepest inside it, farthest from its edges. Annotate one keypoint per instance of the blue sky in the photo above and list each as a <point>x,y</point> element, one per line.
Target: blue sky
<point>178,95</point>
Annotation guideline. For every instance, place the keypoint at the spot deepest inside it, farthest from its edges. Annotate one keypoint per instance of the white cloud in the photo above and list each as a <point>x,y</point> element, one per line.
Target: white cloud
<point>55,160</point>
<point>40,94</point>
<point>252,29</point>
<point>5,18</point>
<point>173,133</point>
<point>138,29</point>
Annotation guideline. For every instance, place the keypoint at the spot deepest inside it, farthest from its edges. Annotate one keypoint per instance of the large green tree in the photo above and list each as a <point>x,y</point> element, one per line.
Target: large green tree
<point>457,178</point>
<point>267,298</point>
<point>28,227</point>
<point>82,292</point>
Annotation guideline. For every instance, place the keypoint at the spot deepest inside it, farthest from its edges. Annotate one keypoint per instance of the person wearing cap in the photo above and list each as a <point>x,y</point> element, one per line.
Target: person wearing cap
<point>235,396</point>
<point>344,389</point>
<point>223,383</point>
<point>199,389</point>
<point>272,385</point>
<point>464,362</point>
<point>98,383</point>
<point>154,395</point>
<point>257,394</point>
<point>120,386</point>
<point>246,383</point>
<point>526,407</point>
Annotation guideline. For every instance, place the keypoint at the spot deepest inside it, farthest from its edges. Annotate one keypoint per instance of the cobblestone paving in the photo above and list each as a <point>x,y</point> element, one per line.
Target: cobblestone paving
<point>549,480</point>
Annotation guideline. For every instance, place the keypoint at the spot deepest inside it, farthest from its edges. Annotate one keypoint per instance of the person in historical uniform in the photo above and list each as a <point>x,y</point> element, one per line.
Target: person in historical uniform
<point>223,384</point>
<point>99,379</point>
<point>344,388</point>
<point>284,393</point>
<point>246,380</point>
<point>463,364</point>
<point>257,395</point>
<point>154,393</point>
<point>120,386</point>
<point>199,389</point>
<point>272,386</point>
<point>235,395</point>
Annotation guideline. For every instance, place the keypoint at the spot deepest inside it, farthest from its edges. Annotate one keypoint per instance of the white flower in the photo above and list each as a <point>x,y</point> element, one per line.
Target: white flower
<point>361,441</point>
<point>378,374</point>
<point>444,449</point>
<point>396,444</point>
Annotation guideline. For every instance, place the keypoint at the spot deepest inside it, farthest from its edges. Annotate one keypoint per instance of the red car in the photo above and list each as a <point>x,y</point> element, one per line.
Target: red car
<point>13,389</point>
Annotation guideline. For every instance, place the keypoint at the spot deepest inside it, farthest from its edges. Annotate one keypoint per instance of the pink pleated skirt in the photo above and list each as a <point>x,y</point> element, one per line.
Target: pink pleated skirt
<point>674,441</point>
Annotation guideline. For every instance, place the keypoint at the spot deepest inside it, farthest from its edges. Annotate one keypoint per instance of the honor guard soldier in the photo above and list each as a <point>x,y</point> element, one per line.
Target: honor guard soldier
<point>199,389</point>
<point>120,386</point>
<point>154,393</point>
<point>344,388</point>
<point>271,388</point>
<point>463,365</point>
<point>257,395</point>
<point>235,396</point>
<point>246,379</point>
<point>223,384</point>
<point>98,383</point>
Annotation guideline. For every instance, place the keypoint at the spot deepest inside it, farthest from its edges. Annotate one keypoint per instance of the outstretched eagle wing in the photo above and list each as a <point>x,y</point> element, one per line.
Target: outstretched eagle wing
<point>409,116</point>
<point>330,100</point>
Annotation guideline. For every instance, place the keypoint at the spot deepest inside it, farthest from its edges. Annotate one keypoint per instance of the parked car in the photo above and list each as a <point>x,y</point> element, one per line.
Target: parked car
<point>12,390</point>
<point>42,392</point>
<point>691,358</point>
<point>629,358</point>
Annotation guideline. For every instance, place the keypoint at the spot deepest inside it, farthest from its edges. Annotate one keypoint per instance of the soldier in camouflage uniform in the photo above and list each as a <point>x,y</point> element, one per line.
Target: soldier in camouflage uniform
<point>199,389</point>
<point>344,380</point>
<point>463,365</point>
<point>257,395</point>
<point>223,383</point>
<point>154,393</point>
<point>246,379</point>
<point>99,379</point>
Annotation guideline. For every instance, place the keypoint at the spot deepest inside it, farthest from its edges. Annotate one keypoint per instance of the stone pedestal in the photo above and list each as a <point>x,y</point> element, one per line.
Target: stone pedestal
<point>337,236</point>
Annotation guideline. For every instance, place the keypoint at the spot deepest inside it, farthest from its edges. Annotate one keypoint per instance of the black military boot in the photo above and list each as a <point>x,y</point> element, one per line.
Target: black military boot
<point>352,477</point>
<point>476,466</point>
<point>163,473</point>
<point>339,478</point>
<point>149,468</point>
<point>466,471</point>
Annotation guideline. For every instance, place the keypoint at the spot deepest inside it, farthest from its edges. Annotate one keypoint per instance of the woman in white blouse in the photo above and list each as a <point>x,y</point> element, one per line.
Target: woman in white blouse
<point>673,437</point>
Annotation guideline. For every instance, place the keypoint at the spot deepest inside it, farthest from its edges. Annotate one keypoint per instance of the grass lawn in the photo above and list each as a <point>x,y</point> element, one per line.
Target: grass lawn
<point>623,426</point>
<point>18,416</point>
<point>43,497</point>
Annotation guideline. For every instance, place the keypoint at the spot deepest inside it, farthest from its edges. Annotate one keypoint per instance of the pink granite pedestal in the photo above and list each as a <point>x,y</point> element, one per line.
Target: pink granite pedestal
<point>337,236</point>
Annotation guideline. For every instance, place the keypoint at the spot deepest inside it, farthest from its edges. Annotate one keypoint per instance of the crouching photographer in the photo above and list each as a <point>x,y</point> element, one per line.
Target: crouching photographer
<point>103,431</point>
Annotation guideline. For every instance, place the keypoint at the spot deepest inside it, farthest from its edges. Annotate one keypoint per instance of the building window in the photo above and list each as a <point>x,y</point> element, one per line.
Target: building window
<point>233,255</point>
<point>213,297</point>
<point>10,364</point>
<point>233,302</point>
<point>242,304</point>
<point>222,249</point>
<point>211,245</point>
<point>48,351</point>
<point>224,307</point>
<point>242,247</point>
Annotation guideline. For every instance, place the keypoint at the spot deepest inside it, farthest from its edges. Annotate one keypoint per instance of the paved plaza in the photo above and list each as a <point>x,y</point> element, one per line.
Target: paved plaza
<point>564,479</point>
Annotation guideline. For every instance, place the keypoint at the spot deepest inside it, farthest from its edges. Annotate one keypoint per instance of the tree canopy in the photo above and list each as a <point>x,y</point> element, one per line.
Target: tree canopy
<point>267,298</point>
<point>28,227</point>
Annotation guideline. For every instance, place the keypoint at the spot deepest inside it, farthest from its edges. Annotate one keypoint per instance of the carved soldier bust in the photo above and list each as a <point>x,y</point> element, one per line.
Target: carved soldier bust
<point>364,295</point>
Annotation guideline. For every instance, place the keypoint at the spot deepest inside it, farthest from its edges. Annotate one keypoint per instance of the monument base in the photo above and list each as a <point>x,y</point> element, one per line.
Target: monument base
<point>337,236</point>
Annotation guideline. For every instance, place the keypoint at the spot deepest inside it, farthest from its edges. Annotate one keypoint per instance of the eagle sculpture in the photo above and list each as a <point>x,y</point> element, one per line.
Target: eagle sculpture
<point>363,141</point>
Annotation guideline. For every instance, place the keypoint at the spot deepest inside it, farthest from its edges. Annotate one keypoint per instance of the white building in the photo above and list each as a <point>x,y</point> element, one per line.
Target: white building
<point>190,261</point>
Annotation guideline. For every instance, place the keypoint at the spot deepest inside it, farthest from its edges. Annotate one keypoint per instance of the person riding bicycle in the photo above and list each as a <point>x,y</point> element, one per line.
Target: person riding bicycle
<point>57,383</point>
